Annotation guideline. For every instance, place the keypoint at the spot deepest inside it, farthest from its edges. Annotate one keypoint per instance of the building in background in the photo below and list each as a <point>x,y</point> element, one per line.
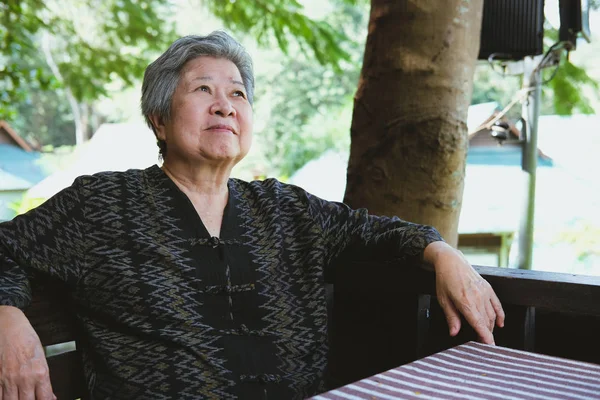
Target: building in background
<point>567,195</point>
<point>568,191</point>
<point>20,169</point>
<point>114,147</point>
<point>494,192</point>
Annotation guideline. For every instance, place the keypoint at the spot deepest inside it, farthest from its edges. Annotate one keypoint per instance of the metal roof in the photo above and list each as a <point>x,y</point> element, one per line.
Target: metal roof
<point>11,182</point>
<point>22,166</point>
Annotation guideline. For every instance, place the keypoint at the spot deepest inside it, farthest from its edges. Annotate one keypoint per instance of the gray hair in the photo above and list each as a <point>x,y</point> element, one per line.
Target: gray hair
<point>162,76</point>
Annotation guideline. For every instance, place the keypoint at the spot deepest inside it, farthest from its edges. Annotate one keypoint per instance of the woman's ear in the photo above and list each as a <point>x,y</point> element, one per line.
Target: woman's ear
<point>159,126</point>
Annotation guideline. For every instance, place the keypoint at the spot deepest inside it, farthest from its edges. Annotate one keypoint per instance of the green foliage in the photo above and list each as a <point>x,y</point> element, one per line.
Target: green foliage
<point>102,45</point>
<point>93,43</point>
<point>26,204</point>
<point>311,104</point>
<point>282,21</point>
<point>563,92</point>
<point>44,117</point>
<point>129,35</point>
<point>489,86</point>
<point>18,23</point>
<point>585,237</point>
<point>567,90</point>
<point>305,94</point>
<point>101,42</point>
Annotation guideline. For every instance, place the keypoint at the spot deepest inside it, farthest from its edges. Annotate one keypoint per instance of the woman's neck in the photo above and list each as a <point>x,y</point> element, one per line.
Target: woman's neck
<point>208,194</point>
<point>198,180</point>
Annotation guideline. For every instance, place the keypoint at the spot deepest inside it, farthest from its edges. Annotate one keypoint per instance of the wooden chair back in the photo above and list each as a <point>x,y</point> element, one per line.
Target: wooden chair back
<point>377,324</point>
<point>54,323</point>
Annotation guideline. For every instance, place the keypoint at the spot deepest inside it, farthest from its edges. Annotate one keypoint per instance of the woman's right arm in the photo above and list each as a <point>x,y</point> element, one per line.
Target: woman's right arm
<point>47,240</point>
<point>24,371</point>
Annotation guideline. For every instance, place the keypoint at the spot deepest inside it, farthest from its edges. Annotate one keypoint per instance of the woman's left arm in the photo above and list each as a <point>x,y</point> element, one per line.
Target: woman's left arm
<point>461,290</point>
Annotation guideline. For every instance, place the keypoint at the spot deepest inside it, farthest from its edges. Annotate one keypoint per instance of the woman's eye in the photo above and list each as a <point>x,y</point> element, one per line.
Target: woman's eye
<point>239,93</point>
<point>203,88</point>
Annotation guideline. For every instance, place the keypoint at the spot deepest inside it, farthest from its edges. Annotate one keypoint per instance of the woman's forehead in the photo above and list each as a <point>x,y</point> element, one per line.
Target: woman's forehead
<point>211,68</point>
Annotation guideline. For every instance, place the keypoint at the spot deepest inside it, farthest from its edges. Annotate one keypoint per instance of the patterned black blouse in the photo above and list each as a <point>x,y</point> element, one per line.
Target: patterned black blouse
<point>169,311</point>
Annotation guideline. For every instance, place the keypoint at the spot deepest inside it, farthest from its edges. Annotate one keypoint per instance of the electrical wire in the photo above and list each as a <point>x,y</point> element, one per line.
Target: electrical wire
<point>519,97</point>
<point>492,61</point>
<point>552,57</point>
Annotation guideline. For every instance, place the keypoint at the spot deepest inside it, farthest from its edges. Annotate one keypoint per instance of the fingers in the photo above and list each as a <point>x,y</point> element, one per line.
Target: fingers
<point>27,384</point>
<point>43,391</point>
<point>460,289</point>
<point>9,392</point>
<point>17,392</point>
<point>26,394</point>
<point>483,319</point>
<point>479,322</point>
<point>491,315</point>
<point>23,365</point>
<point>479,313</point>
<point>452,316</point>
<point>500,316</point>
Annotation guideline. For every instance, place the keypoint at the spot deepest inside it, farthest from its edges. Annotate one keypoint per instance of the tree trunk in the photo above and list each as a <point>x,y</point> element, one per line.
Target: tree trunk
<point>86,127</point>
<point>79,133</point>
<point>409,134</point>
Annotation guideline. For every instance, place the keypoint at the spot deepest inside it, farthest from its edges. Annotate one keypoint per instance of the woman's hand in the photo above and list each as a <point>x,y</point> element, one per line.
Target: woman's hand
<point>460,289</point>
<point>24,371</point>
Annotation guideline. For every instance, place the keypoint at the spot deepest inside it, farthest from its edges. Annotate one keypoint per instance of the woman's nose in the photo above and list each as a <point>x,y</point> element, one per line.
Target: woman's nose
<point>222,106</point>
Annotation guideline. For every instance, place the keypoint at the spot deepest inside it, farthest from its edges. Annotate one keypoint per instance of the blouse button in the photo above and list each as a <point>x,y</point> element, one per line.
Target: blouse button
<point>269,378</point>
<point>214,241</point>
<point>244,329</point>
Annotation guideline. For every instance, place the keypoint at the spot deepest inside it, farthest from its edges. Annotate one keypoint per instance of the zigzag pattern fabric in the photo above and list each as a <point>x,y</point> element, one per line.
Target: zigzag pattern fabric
<point>166,310</point>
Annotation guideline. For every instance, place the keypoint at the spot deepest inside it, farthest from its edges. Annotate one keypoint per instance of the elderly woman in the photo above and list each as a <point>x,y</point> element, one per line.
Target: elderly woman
<point>187,283</point>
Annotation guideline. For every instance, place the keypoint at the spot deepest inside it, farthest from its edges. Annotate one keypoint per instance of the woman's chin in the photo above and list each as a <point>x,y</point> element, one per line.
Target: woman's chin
<point>222,155</point>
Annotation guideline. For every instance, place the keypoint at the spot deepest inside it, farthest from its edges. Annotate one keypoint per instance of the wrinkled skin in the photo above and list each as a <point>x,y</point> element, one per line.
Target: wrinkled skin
<point>461,290</point>
<point>23,368</point>
<point>210,132</point>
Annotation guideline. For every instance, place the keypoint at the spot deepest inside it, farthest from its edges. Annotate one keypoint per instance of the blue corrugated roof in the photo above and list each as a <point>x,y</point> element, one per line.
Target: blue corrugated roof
<point>11,182</point>
<point>21,164</point>
<point>506,156</point>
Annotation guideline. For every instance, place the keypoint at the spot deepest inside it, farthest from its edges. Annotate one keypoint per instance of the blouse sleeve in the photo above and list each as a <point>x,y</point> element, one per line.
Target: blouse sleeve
<point>382,238</point>
<point>48,240</point>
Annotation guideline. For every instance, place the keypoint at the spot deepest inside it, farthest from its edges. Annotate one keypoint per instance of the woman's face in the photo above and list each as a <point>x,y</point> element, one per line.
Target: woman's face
<point>211,118</point>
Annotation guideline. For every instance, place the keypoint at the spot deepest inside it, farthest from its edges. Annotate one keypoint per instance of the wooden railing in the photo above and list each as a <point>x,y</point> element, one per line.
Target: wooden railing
<point>384,316</point>
<point>55,324</point>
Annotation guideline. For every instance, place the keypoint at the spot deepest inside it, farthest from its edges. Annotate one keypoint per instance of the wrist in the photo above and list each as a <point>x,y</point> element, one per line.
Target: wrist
<point>11,313</point>
<point>435,250</point>
<point>10,309</point>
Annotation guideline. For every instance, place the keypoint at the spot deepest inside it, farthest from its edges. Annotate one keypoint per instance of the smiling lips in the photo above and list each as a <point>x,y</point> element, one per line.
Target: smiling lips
<point>221,128</point>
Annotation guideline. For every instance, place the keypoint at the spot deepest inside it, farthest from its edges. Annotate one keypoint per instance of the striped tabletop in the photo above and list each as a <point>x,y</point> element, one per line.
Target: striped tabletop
<point>477,371</point>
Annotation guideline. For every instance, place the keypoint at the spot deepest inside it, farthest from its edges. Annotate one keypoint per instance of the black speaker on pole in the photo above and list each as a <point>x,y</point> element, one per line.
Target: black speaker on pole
<point>574,21</point>
<point>512,29</point>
